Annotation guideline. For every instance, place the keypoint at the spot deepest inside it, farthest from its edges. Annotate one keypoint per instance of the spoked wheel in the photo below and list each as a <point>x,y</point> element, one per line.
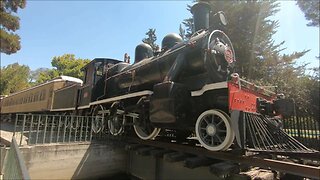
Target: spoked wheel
<point>146,131</point>
<point>115,125</point>
<point>213,130</point>
<point>142,126</point>
<point>98,120</point>
<point>116,120</point>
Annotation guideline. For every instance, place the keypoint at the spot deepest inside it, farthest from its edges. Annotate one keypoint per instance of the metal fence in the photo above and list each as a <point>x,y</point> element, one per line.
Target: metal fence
<point>42,129</point>
<point>305,129</point>
<point>14,166</point>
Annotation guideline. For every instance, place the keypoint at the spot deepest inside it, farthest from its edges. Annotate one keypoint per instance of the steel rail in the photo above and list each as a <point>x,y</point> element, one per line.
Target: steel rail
<point>282,166</point>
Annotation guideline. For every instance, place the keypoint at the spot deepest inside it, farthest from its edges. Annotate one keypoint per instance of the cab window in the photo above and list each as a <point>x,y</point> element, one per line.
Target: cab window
<point>99,71</point>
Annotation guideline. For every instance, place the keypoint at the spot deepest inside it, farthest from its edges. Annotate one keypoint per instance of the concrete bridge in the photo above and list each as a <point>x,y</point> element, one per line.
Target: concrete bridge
<point>59,150</point>
<point>49,148</point>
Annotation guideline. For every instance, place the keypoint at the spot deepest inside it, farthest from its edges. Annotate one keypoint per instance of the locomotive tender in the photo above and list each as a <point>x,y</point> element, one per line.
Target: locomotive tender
<point>187,87</point>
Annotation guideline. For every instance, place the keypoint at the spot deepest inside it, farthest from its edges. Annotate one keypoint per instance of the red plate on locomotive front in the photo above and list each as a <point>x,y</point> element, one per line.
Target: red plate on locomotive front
<point>243,95</point>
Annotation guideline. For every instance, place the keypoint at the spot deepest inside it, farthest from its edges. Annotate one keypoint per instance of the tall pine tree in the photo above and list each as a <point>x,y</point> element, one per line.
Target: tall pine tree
<point>9,22</point>
<point>310,8</point>
<point>151,39</point>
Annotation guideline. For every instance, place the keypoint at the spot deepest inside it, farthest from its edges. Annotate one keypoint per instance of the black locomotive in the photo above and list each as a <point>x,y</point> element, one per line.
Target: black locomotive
<point>188,87</point>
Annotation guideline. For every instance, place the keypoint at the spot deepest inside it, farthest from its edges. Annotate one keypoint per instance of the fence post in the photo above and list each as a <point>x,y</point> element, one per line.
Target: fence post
<point>91,129</point>
<point>81,130</point>
<point>298,126</point>
<point>30,130</point>
<point>22,131</point>
<point>87,123</point>
<point>58,133</point>
<point>45,129</point>
<point>75,133</point>
<point>38,126</point>
<point>51,130</point>
<point>15,125</point>
<point>71,124</point>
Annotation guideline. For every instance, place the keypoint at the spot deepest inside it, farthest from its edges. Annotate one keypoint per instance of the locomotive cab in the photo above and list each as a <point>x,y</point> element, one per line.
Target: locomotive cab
<point>96,73</point>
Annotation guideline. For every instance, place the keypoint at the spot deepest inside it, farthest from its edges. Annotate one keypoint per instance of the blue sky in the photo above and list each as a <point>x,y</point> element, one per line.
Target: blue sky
<point>92,29</point>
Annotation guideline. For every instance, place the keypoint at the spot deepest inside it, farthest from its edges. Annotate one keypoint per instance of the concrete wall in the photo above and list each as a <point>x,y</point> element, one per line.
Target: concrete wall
<point>74,161</point>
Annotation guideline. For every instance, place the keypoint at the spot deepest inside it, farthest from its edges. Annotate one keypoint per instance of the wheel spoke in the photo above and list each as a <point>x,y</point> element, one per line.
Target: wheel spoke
<point>219,130</point>
<point>212,119</point>
<point>212,140</point>
<point>219,139</point>
<point>205,119</point>
<point>221,122</point>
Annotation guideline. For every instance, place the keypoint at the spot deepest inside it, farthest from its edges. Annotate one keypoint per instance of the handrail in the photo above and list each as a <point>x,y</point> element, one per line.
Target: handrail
<point>14,166</point>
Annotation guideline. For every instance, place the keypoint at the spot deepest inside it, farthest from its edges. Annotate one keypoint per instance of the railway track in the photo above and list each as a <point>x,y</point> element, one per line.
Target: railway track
<point>281,163</point>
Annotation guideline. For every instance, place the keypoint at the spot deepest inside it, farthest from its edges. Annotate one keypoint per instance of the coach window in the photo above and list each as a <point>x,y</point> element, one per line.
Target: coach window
<point>43,95</point>
<point>36,96</point>
<point>85,77</point>
<point>40,96</point>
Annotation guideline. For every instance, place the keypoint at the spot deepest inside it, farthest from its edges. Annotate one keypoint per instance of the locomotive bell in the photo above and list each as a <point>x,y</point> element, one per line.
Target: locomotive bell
<point>170,40</point>
<point>200,13</point>
<point>143,51</point>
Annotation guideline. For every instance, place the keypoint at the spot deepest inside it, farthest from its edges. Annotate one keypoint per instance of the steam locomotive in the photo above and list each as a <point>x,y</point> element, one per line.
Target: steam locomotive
<point>187,87</point>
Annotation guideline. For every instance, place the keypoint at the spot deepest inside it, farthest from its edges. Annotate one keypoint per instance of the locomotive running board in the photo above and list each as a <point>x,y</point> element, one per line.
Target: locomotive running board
<point>256,132</point>
<point>63,109</point>
<point>207,87</point>
<point>117,98</point>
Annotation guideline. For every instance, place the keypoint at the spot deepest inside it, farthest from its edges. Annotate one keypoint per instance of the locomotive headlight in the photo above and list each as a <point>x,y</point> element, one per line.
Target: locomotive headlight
<point>219,46</point>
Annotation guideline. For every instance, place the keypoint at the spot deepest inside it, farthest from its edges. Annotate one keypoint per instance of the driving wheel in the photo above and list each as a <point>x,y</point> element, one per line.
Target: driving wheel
<point>213,130</point>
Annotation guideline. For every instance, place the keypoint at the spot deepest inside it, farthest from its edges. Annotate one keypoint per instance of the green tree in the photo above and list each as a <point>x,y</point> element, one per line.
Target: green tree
<point>151,39</point>
<point>66,64</point>
<point>9,22</point>
<point>314,95</point>
<point>189,29</point>
<point>310,8</point>
<point>182,32</point>
<point>35,74</point>
<point>14,77</point>
<point>188,24</point>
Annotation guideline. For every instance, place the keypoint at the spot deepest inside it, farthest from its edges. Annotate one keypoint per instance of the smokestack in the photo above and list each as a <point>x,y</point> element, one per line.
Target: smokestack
<point>201,13</point>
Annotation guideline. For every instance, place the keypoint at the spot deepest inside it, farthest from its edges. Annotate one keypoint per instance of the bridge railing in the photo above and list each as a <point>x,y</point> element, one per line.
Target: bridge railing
<point>41,128</point>
<point>14,166</point>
